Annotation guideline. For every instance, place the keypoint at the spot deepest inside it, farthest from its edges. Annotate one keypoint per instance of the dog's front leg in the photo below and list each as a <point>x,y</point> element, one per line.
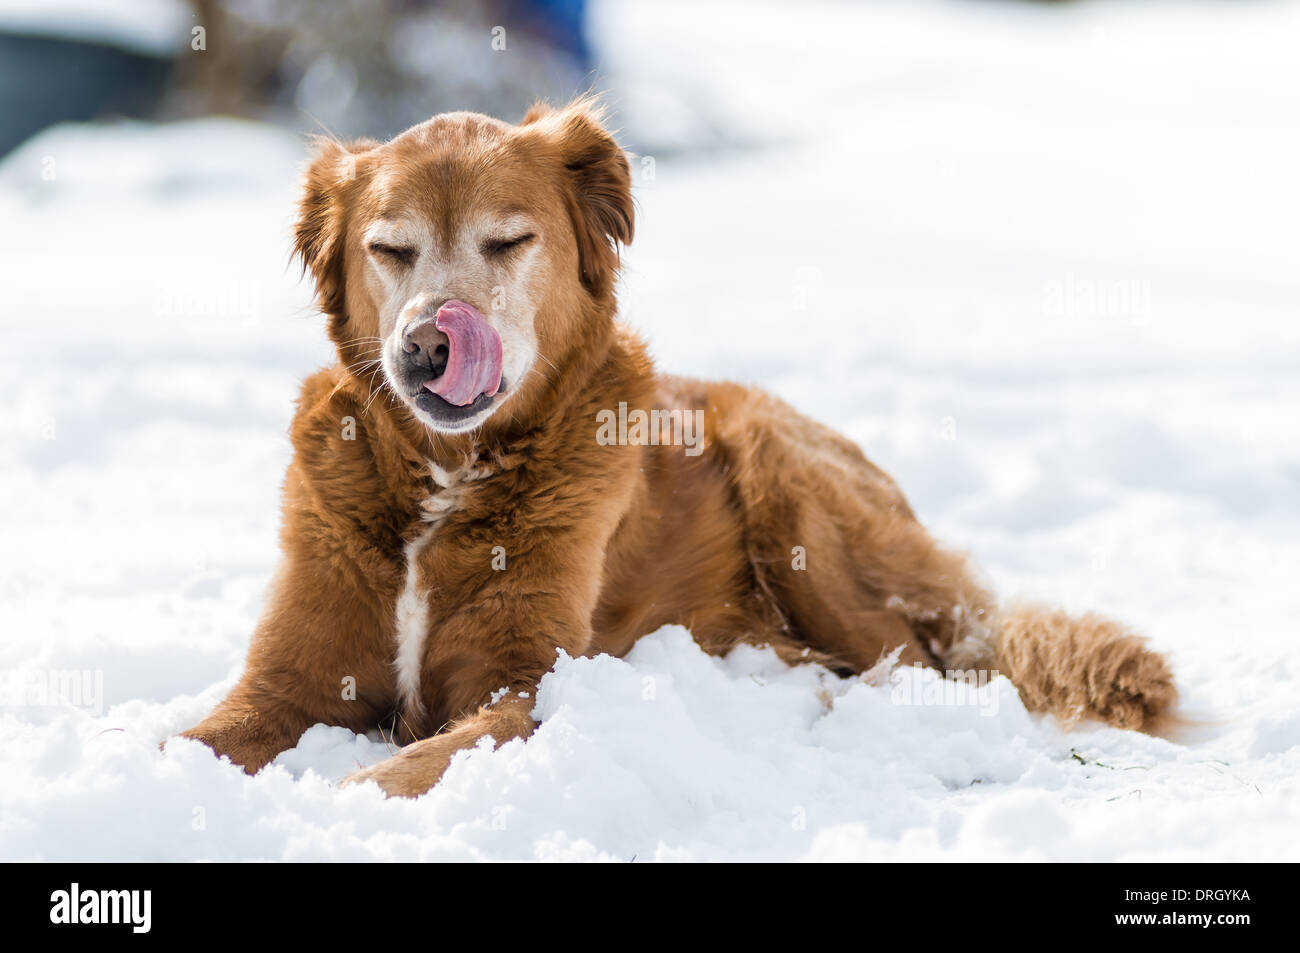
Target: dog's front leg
<point>418,767</point>
<point>319,654</point>
<point>251,727</point>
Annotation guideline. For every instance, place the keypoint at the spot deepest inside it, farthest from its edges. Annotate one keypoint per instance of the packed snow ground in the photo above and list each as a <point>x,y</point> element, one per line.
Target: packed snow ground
<point>903,247</point>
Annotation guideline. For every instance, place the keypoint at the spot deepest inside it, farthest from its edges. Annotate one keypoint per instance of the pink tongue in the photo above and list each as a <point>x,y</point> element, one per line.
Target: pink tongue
<point>474,355</point>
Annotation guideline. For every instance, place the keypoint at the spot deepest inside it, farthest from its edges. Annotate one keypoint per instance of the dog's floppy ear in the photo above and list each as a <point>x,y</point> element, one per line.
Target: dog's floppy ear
<point>600,193</point>
<point>321,228</point>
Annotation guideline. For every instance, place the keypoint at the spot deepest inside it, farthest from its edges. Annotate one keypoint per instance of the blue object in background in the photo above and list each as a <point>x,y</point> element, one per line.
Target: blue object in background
<point>561,22</point>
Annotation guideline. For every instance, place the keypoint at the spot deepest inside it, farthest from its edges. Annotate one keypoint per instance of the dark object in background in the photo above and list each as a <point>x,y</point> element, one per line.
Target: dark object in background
<point>376,67</point>
<point>45,80</point>
<point>361,68</point>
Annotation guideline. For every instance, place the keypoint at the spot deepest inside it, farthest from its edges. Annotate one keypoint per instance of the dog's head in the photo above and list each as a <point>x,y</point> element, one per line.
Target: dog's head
<point>462,258</point>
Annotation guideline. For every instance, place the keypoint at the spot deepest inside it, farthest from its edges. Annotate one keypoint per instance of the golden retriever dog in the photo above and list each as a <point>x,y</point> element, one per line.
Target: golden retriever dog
<point>494,471</point>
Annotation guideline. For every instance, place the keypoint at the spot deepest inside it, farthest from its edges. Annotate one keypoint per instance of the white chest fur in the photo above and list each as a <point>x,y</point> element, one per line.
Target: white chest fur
<point>412,612</point>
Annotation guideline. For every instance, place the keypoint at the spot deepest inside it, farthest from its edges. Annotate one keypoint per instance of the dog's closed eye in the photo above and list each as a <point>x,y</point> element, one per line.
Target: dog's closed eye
<point>395,254</point>
<point>499,247</point>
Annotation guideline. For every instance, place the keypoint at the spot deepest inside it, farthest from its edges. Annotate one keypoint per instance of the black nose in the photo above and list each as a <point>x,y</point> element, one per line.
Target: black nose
<point>425,347</point>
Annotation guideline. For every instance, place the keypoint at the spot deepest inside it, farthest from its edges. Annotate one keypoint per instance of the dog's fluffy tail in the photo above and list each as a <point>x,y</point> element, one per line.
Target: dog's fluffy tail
<point>1076,667</point>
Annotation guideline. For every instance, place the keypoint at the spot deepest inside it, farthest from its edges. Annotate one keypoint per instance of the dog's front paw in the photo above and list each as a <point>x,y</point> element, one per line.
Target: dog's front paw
<point>372,773</point>
<point>409,773</point>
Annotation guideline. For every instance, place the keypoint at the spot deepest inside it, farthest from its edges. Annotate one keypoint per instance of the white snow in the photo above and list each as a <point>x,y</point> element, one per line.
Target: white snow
<point>906,257</point>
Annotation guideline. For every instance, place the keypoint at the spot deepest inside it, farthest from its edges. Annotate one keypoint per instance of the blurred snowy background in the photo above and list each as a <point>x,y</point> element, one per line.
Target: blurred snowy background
<point>1040,259</point>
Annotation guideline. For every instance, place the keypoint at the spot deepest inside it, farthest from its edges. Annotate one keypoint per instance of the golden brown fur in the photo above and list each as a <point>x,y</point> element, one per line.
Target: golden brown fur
<point>602,544</point>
